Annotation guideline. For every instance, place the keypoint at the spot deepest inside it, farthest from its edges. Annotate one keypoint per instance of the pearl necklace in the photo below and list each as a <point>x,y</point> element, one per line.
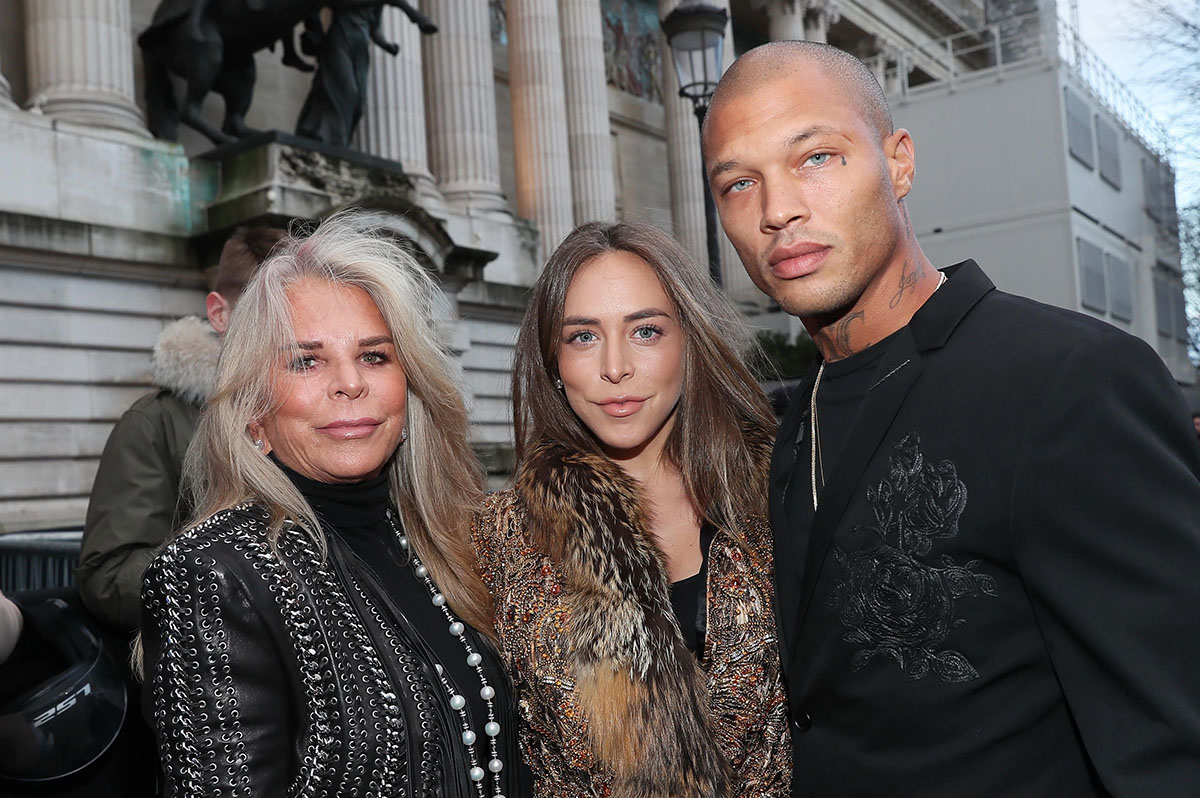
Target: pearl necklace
<point>458,629</point>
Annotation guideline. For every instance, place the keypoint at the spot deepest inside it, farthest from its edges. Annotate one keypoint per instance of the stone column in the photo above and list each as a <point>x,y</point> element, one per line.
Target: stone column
<point>460,104</point>
<point>539,107</point>
<point>683,154</point>
<point>786,20</point>
<point>888,53</point>
<point>684,166</point>
<point>81,62</point>
<point>393,122</point>
<point>821,14</point>
<point>6,100</point>
<point>588,133</point>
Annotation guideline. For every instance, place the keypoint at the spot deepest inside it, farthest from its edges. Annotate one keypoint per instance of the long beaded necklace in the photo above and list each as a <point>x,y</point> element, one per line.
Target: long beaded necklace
<point>458,629</point>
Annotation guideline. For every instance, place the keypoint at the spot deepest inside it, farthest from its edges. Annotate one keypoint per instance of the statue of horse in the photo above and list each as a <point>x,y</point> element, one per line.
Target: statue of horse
<point>210,44</point>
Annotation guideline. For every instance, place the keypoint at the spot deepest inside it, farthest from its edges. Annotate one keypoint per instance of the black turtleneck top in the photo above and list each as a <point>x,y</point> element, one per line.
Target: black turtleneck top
<point>357,516</point>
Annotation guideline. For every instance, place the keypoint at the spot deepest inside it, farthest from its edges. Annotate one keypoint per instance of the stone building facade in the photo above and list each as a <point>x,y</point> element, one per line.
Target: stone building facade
<point>481,146</point>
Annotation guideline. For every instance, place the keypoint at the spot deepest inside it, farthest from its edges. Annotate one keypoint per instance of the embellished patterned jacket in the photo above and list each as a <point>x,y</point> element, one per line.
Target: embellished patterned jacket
<point>611,701</point>
<point>272,673</point>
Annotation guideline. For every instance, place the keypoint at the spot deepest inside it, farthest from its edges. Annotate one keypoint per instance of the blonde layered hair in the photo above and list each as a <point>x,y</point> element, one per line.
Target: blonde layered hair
<point>435,478</point>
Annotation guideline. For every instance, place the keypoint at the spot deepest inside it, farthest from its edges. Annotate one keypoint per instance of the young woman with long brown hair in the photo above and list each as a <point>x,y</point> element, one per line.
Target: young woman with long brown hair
<point>630,566</point>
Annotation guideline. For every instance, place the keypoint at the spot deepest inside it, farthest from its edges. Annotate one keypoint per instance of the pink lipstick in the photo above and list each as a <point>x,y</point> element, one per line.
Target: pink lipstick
<point>349,429</point>
<point>622,406</point>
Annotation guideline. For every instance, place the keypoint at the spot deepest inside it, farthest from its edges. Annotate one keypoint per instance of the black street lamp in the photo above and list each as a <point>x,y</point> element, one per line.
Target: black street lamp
<point>696,33</point>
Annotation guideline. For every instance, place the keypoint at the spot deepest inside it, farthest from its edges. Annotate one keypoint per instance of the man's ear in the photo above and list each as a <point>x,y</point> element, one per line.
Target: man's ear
<point>902,162</point>
<point>218,309</point>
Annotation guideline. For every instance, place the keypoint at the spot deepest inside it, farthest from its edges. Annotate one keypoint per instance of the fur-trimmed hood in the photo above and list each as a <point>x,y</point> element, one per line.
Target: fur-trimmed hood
<point>641,689</point>
<point>185,359</point>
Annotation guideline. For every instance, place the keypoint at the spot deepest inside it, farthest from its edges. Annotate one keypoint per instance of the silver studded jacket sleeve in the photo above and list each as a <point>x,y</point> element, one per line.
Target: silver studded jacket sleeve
<point>216,691</point>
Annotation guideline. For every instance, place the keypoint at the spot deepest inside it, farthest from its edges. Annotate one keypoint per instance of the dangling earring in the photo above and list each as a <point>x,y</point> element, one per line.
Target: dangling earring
<point>403,435</point>
<point>558,383</point>
<point>258,444</point>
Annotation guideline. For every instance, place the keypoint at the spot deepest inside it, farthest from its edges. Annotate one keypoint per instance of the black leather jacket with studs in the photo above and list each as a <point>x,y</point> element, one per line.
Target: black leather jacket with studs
<point>273,672</point>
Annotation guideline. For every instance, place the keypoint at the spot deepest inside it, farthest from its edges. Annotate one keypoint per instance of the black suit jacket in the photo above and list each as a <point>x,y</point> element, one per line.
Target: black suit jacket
<point>1000,590</point>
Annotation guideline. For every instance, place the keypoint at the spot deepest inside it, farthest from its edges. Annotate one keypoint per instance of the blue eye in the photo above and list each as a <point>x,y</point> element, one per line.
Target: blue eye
<point>582,337</point>
<point>738,185</point>
<point>819,158</point>
<point>647,332</point>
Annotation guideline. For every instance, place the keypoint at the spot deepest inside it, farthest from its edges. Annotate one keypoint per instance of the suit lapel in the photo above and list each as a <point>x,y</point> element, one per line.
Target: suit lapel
<point>895,375</point>
<point>783,458</point>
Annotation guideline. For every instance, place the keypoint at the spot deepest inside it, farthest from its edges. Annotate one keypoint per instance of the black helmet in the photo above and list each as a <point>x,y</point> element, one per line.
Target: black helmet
<point>69,719</point>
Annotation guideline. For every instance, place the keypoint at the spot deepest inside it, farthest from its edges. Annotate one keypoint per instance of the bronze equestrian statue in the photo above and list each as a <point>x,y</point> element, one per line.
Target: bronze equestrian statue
<point>210,44</point>
<point>339,89</point>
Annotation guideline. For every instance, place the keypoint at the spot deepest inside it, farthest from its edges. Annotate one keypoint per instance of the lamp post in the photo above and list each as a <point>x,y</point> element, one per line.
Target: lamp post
<point>696,33</point>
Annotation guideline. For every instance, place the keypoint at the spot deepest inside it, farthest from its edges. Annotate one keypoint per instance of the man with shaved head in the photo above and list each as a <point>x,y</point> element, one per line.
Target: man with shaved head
<point>986,510</point>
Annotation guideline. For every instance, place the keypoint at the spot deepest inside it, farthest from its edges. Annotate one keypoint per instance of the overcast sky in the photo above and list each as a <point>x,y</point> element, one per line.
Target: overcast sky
<point>1110,28</point>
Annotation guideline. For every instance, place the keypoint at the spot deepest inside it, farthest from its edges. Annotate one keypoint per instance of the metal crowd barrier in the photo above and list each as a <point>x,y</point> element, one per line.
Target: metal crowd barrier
<point>38,560</point>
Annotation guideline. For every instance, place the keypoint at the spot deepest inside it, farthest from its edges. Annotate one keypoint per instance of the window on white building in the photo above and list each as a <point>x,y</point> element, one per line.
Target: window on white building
<point>1179,314</point>
<point>1166,182</point>
<point>1092,292</point>
<point>1079,129</point>
<point>1163,304</point>
<point>1158,183</point>
<point>1120,287</point>
<point>1152,192</point>
<point>1108,142</point>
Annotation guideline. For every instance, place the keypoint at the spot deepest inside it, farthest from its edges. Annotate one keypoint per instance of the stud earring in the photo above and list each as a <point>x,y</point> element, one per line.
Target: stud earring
<point>403,435</point>
<point>258,444</point>
<point>558,383</point>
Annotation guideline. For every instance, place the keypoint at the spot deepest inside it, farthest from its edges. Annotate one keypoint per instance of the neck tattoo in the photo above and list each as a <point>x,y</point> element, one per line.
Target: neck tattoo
<point>816,463</point>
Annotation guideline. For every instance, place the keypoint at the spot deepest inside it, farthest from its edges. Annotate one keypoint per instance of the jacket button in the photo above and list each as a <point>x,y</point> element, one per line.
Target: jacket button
<point>802,722</point>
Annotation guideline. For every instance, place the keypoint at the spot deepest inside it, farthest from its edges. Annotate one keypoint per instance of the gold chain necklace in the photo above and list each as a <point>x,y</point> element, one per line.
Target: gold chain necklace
<point>815,443</point>
<point>812,419</point>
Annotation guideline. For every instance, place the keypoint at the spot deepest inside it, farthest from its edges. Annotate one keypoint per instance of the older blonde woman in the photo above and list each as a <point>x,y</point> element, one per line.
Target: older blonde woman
<point>320,628</point>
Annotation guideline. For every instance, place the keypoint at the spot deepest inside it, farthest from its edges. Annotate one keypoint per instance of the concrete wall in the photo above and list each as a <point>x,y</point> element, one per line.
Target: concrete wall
<point>989,181</point>
<point>74,354</point>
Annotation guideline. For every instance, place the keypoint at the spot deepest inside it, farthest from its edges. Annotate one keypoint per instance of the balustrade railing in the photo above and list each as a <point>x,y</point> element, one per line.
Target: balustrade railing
<point>1003,44</point>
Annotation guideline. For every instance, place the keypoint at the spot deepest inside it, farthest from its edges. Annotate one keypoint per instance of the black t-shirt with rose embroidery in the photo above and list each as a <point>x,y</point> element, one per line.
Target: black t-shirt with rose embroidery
<point>844,386</point>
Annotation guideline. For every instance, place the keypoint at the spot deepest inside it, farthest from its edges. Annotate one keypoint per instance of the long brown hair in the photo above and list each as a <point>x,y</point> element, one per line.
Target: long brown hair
<point>724,423</point>
<point>436,482</point>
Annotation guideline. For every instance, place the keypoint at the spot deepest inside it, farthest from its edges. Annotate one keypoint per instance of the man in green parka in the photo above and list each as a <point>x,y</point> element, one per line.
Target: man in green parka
<point>135,502</point>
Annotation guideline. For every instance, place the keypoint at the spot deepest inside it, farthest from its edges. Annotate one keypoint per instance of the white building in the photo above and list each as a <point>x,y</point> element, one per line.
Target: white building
<point>1041,165</point>
<point>483,145</point>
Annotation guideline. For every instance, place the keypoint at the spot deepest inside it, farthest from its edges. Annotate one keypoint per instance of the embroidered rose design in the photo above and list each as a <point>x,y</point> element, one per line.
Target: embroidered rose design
<point>918,502</point>
<point>893,600</point>
<point>893,604</point>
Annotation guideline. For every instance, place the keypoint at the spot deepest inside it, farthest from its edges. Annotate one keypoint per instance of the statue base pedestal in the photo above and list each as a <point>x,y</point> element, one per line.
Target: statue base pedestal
<point>275,177</point>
